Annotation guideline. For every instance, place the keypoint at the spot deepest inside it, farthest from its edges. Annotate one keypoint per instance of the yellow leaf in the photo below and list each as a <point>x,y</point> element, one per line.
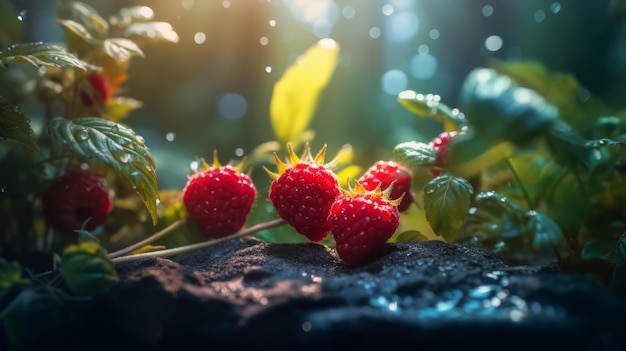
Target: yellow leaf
<point>296,94</point>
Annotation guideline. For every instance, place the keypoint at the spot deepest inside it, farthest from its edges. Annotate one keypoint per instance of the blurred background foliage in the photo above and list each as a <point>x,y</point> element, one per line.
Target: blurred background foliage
<point>212,89</point>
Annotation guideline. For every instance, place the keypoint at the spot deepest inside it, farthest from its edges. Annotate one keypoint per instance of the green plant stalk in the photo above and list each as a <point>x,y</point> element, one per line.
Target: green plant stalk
<point>170,228</point>
<point>518,180</point>
<point>193,247</point>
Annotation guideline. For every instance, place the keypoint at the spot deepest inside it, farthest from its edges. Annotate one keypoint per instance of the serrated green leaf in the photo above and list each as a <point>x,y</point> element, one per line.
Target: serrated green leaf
<point>414,155</point>
<point>86,15</point>
<point>498,110</point>
<point>429,106</point>
<point>151,32</point>
<point>446,204</point>
<point>118,107</point>
<point>116,146</point>
<point>296,94</point>
<point>14,125</point>
<point>41,54</point>
<point>87,270</point>
<point>78,30</point>
<point>121,49</point>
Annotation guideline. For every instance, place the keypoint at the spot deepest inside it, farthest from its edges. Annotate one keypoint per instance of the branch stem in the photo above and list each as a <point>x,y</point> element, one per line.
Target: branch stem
<point>170,228</point>
<point>193,247</point>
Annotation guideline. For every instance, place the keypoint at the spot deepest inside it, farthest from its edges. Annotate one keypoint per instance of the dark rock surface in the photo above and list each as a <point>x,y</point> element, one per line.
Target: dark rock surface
<point>421,296</point>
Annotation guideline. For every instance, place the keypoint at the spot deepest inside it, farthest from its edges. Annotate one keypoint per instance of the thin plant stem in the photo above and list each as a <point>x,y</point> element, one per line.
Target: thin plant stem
<point>193,247</point>
<point>518,180</point>
<point>170,228</point>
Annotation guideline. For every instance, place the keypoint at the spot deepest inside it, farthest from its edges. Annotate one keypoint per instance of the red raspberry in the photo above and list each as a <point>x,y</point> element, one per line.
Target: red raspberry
<point>101,90</point>
<point>383,174</point>
<point>362,222</point>
<point>75,198</point>
<point>440,145</point>
<point>219,198</point>
<point>303,192</point>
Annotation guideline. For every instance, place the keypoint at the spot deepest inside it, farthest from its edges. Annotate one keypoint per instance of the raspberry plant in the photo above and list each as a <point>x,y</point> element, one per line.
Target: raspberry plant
<point>530,166</point>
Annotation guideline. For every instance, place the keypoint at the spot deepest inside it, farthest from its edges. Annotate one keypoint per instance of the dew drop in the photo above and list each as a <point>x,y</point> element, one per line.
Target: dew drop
<point>429,191</point>
<point>115,129</point>
<point>140,140</point>
<point>170,136</point>
<point>21,16</point>
<point>82,135</point>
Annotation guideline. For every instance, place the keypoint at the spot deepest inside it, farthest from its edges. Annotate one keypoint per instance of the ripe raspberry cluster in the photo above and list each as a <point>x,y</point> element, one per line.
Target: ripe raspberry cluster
<point>307,195</point>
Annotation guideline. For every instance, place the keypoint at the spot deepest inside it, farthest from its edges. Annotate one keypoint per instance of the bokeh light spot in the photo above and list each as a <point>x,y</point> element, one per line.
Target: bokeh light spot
<point>434,34</point>
<point>402,27</point>
<point>374,32</point>
<point>540,15</point>
<point>487,10</point>
<point>423,66</point>
<point>493,43</point>
<point>232,106</point>
<point>348,12</point>
<point>199,38</point>
<point>387,10</point>
<point>394,81</point>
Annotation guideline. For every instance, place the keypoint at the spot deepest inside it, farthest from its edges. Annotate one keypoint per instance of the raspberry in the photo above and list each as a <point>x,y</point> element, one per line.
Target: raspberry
<point>440,145</point>
<point>383,174</point>
<point>219,198</point>
<point>75,198</point>
<point>100,90</point>
<point>362,222</point>
<point>303,192</point>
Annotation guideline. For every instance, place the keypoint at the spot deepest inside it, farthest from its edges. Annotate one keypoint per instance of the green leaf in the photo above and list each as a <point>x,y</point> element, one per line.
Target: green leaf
<point>85,15</point>
<point>151,32</point>
<point>40,54</point>
<point>87,270</point>
<point>295,96</point>
<point>546,233</point>
<point>129,15</point>
<point>429,106</point>
<point>121,49</point>
<point>575,104</point>
<point>10,275</point>
<point>14,125</point>
<point>116,146</point>
<point>498,110</point>
<point>446,204</point>
<point>414,155</point>
<point>78,30</point>
<point>599,248</point>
